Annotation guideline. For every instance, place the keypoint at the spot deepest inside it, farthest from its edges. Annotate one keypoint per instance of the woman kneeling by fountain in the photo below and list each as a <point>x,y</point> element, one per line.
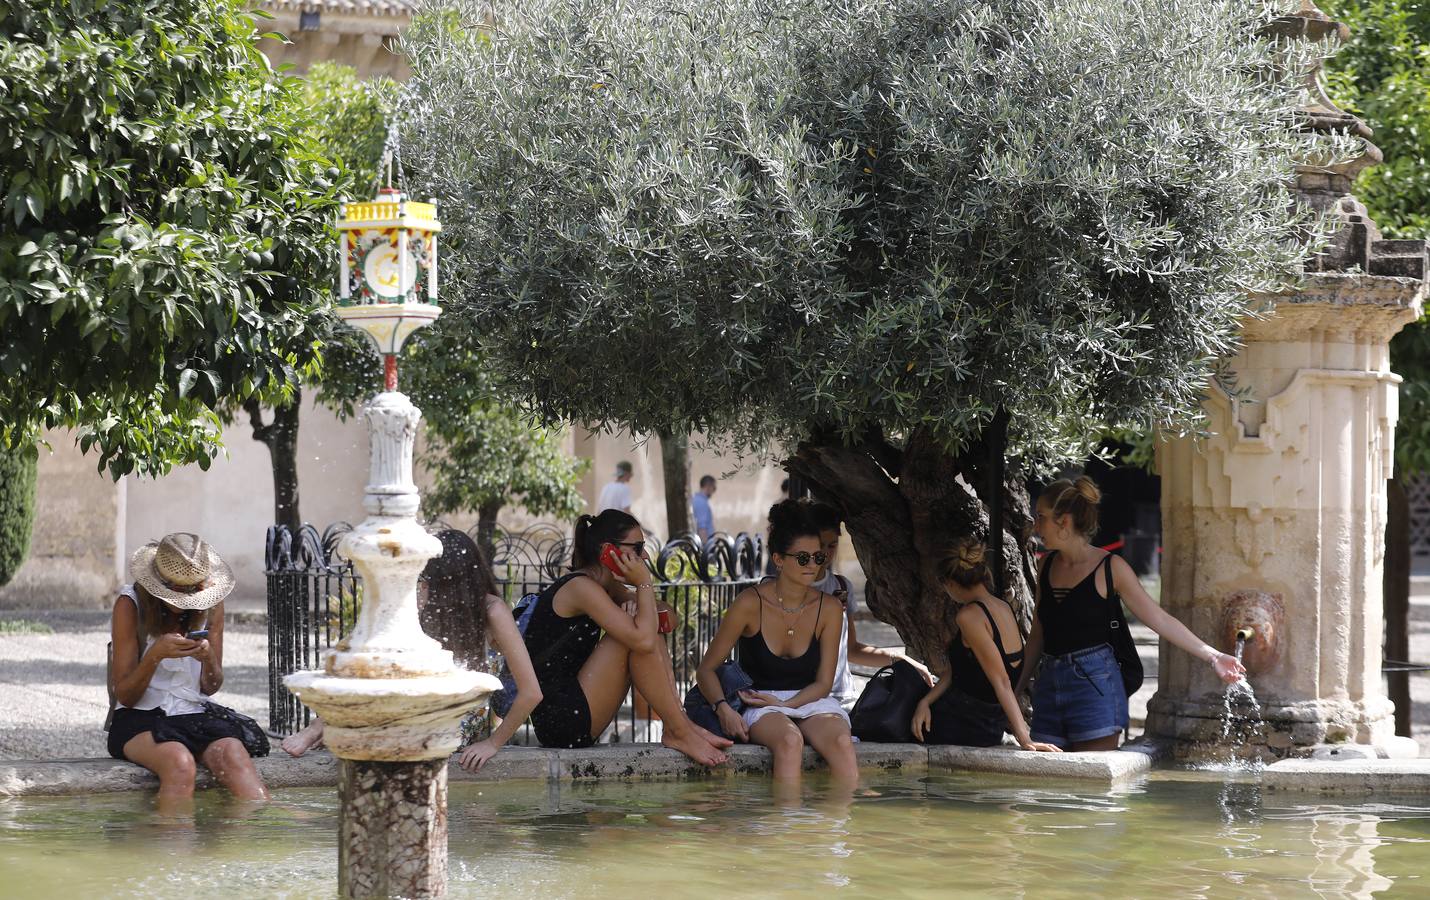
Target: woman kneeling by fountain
<point>584,675</point>
<point>1078,697</point>
<point>791,663</point>
<point>973,704</point>
<point>458,605</point>
<point>167,641</point>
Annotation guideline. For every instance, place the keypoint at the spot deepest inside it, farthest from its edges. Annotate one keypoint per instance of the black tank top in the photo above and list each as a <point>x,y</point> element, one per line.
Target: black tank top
<point>559,646</point>
<point>778,673</point>
<point>967,672</point>
<point>1073,618</point>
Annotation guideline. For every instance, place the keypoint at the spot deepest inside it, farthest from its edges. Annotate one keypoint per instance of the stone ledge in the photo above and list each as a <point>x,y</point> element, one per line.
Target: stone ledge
<point>623,762</point>
<point>1353,776</point>
<point>1111,766</point>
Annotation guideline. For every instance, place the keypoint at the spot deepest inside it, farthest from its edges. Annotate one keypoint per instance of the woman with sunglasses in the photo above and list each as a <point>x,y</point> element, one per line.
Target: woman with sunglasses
<point>591,637</point>
<point>788,637</point>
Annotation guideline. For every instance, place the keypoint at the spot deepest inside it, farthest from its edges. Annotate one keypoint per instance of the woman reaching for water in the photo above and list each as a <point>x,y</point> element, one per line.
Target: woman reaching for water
<point>788,635</point>
<point>1078,698</point>
<point>973,704</point>
<point>458,604</point>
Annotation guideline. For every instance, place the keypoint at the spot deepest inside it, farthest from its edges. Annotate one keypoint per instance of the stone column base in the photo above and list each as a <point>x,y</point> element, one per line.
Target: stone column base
<point>392,835</point>
<point>1197,728</point>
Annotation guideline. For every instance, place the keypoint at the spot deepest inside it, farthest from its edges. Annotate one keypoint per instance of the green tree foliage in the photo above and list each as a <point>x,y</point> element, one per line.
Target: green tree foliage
<point>1383,76</point>
<point>863,228</point>
<point>166,225</point>
<point>17,509</point>
<point>482,452</point>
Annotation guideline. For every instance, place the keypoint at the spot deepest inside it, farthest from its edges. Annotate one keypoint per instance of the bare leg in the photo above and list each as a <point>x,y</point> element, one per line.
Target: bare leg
<point>300,742</point>
<point>608,674</point>
<point>829,736</point>
<point>174,765</point>
<point>1103,743</point>
<point>234,769</point>
<point>717,741</point>
<point>786,743</point>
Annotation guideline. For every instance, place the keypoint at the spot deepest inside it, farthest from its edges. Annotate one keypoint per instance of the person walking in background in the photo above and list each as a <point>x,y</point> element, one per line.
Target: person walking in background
<point>700,505</point>
<point>617,494</point>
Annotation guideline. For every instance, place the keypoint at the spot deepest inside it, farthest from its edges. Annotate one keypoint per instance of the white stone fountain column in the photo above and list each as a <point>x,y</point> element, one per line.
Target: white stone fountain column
<point>390,696</point>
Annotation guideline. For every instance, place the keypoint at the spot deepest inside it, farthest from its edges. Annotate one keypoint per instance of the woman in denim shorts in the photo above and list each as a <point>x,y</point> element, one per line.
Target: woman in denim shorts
<point>1078,699</point>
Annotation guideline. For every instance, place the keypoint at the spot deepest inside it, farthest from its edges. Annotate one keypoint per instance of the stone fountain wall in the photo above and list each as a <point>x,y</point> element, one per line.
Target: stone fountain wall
<point>1276,518</point>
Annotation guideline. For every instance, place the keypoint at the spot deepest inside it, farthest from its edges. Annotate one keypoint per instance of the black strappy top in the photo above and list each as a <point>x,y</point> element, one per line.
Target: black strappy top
<point>778,673</point>
<point>967,672</point>
<point>1073,618</point>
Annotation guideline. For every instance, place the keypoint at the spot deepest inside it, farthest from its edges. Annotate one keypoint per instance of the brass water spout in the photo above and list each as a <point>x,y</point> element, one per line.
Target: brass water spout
<point>1251,623</point>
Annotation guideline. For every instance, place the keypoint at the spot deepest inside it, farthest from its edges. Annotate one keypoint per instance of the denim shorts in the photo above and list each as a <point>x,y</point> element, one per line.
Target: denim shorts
<point>1079,697</point>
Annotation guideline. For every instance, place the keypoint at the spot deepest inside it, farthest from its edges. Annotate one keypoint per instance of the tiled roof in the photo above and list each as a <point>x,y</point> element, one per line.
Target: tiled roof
<point>403,8</point>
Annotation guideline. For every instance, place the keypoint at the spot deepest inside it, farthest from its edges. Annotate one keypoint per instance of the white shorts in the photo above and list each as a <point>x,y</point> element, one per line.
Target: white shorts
<point>824,706</point>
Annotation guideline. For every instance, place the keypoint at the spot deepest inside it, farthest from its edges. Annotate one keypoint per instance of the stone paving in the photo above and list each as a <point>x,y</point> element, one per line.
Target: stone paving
<point>52,694</point>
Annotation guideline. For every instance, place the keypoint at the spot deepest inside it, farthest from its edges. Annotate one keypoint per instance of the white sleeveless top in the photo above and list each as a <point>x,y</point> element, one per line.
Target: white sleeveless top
<point>175,685</point>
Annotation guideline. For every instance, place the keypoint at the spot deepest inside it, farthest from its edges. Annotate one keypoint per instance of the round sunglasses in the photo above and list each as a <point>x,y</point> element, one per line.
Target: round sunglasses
<point>803,557</point>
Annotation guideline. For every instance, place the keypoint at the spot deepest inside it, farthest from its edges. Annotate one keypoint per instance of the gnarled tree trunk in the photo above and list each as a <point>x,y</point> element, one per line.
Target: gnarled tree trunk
<point>903,507</point>
<point>280,436</point>
<point>487,527</point>
<point>1396,602</point>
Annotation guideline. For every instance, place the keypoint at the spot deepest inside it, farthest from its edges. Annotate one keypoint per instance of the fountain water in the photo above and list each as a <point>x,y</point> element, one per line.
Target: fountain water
<point>1242,726</point>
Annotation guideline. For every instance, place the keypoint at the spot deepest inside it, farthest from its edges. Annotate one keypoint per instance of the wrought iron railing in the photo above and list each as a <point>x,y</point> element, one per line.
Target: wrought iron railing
<point>313,597</point>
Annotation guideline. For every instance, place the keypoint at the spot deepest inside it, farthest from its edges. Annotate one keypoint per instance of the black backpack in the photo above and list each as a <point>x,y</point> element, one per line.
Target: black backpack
<point>884,713</point>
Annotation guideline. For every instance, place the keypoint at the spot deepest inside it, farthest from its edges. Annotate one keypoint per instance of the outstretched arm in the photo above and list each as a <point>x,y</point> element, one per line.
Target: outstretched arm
<point>1152,615</point>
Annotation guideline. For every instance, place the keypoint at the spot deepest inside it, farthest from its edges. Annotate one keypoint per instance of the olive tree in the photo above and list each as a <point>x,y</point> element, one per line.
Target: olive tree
<point>902,242</point>
<point>165,226</point>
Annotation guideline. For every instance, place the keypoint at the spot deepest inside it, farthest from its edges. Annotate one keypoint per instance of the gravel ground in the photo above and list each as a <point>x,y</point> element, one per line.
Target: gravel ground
<point>52,694</point>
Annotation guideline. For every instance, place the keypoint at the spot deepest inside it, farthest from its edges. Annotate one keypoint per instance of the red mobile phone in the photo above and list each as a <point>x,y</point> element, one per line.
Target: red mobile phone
<point>610,558</point>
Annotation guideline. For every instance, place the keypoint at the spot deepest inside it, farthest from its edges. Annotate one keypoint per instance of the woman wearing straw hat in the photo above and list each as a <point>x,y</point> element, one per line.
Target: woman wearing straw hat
<point>167,636</point>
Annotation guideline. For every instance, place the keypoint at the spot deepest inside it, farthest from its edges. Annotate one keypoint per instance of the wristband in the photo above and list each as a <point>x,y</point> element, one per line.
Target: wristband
<point>716,704</point>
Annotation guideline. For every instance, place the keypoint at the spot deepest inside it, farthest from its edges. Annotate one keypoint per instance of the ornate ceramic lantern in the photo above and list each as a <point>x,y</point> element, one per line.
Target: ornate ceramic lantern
<point>388,286</point>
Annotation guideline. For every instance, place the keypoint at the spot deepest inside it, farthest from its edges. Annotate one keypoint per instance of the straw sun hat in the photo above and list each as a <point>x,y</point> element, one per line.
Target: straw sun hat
<point>182,570</point>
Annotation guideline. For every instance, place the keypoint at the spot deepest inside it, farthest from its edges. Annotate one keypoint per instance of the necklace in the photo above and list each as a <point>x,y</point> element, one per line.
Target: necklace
<point>786,612</point>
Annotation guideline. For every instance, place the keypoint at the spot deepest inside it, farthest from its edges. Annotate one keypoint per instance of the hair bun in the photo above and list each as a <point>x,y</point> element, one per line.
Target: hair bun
<point>1087,489</point>
<point>971,554</point>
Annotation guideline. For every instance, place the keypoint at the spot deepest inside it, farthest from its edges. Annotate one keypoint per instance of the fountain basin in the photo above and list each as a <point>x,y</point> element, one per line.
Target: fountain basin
<point>392,719</point>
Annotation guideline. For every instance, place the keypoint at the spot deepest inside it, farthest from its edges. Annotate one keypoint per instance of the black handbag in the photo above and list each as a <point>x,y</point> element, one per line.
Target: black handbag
<point>884,712</point>
<point>249,732</point>
<point>1120,637</point>
<point>733,680</point>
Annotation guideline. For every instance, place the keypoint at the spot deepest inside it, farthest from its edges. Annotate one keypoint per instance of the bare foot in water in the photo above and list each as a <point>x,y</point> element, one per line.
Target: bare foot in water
<point>694,746</point>
<point>298,743</point>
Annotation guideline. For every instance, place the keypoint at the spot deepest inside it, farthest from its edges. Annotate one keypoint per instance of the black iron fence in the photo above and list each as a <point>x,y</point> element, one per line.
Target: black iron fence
<point>313,598</point>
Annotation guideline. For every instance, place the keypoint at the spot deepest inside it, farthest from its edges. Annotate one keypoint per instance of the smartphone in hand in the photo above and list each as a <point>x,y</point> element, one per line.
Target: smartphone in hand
<point>611,559</point>
<point>197,635</point>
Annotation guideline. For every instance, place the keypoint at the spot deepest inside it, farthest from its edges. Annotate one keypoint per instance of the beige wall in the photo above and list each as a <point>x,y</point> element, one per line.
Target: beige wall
<point>77,532</point>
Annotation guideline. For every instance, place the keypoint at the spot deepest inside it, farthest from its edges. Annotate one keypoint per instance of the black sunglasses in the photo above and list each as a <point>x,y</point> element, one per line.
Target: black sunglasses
<point>803,557</point>
<point>637,547</point>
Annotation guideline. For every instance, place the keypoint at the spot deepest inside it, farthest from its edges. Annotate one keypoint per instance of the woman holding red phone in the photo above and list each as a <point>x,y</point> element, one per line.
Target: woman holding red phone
<point>591,638</point>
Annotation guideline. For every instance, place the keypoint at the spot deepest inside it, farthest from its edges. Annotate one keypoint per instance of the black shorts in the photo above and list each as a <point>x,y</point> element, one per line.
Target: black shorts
<point>563,717</point>
<point>195,730</point>
<point>957,718</point>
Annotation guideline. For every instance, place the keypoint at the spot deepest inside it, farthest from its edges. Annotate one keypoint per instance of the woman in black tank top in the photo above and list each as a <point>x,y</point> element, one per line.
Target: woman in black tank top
<point>786,635</point>
<point>973,704</point>
<point>1078,700</point>
<point>593,635</point>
